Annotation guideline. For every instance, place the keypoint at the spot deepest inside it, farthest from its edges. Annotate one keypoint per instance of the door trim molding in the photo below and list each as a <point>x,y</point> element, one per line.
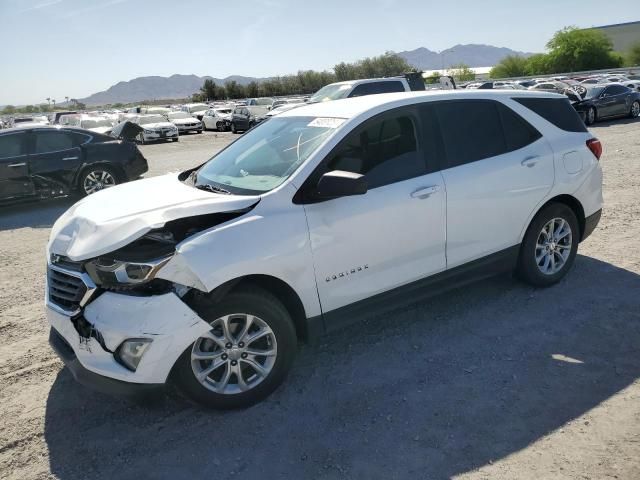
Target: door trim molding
<point>418,291</point>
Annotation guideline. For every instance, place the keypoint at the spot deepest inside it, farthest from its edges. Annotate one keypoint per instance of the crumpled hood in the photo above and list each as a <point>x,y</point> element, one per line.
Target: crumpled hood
<point>114,217</point>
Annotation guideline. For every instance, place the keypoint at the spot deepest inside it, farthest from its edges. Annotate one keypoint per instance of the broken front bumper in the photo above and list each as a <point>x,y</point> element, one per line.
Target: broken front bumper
<point>94,381</point>
<point>113,318</point>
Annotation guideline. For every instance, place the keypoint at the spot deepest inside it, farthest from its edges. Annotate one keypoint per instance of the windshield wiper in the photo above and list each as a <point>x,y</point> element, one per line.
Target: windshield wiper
<point>212,188</point>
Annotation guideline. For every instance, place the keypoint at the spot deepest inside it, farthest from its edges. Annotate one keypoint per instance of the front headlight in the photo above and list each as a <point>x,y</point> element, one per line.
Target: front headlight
<point>147,131</point>
<point>111,273</point>
<point>133,265</point>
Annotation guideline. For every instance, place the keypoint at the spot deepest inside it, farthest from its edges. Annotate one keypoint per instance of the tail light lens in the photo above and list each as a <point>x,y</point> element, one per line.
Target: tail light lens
<point>595,146</point>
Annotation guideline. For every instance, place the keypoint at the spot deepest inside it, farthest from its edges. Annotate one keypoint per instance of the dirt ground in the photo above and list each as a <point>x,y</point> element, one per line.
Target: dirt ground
<point>494,381</point>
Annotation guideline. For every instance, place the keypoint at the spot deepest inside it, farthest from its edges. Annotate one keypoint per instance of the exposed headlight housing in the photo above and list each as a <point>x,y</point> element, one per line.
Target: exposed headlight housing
<point>108,272</point>
<point>134,265</point>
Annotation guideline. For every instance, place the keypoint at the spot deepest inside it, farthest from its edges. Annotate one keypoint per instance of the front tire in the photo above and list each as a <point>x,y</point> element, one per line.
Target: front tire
<point>634,111</point>
<point>549,247</point>
<point>233,128</point>
<point>244,357</point>
<point>592,116</point>
<point>94,179</point>
<point>220,126</point>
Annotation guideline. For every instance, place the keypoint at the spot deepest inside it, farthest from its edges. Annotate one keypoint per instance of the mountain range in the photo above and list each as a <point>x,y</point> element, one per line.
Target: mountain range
<point>472,55</point>
<point>182,86</point>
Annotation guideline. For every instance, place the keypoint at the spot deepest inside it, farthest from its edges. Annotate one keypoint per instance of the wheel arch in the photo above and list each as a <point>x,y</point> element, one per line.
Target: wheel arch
<point>570,201</point>
<point>277,287</point>
<point>117,169</point>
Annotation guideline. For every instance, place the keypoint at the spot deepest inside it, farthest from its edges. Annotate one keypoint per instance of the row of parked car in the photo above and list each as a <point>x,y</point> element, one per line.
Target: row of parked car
<point>594,97</point>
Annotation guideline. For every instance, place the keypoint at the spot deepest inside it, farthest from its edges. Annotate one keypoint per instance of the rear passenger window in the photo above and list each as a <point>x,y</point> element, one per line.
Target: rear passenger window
<point>12,145</point>
<point>471,130</point>
<point>386,151</point>
<point>518,133</point>
<point>372,88</point>
<point>52,141</point>
<point>557,111</point>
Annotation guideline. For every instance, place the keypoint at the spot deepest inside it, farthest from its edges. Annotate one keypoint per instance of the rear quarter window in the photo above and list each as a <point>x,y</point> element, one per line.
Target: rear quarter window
<point>557,111</point>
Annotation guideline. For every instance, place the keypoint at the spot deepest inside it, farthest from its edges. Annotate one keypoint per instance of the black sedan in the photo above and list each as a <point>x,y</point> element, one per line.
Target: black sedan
<point>243,118</point>
<point>41,162</point>
<point>606,101</point>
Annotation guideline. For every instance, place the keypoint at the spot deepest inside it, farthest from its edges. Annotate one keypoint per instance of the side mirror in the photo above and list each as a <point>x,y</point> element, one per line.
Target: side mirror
<point>339,183</point>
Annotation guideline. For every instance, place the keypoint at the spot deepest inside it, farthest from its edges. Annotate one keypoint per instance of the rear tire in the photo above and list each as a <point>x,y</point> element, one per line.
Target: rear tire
<point>244,385</point>
<point>95,178</point>
<point>220,126</point>
<point>634,111</point>
<point>549,247</point>
<point>233,128</point>
<point>592,116</point>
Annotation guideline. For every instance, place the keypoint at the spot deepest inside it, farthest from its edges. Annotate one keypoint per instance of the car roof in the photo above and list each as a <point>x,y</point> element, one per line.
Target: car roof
<point>369,80</point>
<point>41,127</point>
<point>352,107</point>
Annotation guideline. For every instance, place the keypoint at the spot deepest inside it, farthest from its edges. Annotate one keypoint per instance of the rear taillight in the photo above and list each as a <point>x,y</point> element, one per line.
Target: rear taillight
<point>595,146</point>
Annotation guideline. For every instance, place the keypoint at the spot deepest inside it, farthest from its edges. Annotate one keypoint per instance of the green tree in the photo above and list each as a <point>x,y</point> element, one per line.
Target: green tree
<point>573,50</point>
<point>234,89</point>
<point>9,110</point>
<point>510,66</point>
<point>538,64</point>
<point>253,89</point>
<point>461,72</point>
<point>633,55</point>
<point>209,90</point>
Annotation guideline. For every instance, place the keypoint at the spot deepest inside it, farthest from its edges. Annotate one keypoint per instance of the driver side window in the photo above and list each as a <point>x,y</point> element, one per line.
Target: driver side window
<point>385,151</point>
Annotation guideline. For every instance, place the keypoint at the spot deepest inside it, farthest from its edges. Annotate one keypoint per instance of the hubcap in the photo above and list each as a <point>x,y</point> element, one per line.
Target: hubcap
<point>97,180</point>
<point>237,354</point>
<point>553,246</point>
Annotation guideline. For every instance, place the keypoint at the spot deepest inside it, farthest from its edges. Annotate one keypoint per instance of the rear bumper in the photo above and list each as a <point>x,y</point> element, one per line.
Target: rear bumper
<point>590,224</point>
<point>97,382</point>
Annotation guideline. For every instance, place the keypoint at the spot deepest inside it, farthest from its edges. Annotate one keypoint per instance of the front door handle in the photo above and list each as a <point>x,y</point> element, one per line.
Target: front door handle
<point>69,158</point>
<point>16,165</point>
<point>530,161</point>
<point>425,192</point>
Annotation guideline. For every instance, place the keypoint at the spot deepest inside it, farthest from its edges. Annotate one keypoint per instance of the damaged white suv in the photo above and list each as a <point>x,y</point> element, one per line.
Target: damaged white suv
<point>314,219</point>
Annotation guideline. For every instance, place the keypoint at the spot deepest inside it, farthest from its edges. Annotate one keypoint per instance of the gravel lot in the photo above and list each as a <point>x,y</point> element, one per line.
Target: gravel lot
<point>497,380</point>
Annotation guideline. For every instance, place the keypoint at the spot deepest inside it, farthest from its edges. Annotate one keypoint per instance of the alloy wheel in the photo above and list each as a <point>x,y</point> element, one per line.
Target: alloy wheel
<point>635,109</point>
<point>237,354</point>
<point>97,180</point>
<point>553,246</point>
<point>592,115</point>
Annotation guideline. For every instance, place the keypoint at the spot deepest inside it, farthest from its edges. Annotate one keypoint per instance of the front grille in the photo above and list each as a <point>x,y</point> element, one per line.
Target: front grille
<point>66,263</point>
<point>65,290</point>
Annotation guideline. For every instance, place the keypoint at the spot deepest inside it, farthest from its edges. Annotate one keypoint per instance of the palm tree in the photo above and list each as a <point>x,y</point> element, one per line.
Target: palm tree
<point>48,99</point>
<point>66,99</point>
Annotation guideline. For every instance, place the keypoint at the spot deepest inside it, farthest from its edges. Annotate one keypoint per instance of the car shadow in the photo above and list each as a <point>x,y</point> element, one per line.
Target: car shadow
<point>36,214</point>
<point>432,391</point>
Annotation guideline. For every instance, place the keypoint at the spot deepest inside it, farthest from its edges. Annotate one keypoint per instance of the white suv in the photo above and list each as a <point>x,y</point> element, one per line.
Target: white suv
<point>312,220</point>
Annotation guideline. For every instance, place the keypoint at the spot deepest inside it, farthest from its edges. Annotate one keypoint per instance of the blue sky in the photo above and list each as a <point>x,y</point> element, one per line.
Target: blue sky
<point>58,48</point>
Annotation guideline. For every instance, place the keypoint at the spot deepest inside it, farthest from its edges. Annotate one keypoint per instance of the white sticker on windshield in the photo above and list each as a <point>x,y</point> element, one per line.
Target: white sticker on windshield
<point>326,122</point>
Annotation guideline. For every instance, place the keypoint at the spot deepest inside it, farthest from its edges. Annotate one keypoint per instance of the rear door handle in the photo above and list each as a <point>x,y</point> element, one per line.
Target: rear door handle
<point>425,192</point>
<point>16,165</point>
<point>530,161</point>
<point>69,158</point>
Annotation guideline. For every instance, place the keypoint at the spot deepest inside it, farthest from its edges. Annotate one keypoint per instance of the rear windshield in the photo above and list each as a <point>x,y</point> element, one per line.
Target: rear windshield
<point>557,111</point>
